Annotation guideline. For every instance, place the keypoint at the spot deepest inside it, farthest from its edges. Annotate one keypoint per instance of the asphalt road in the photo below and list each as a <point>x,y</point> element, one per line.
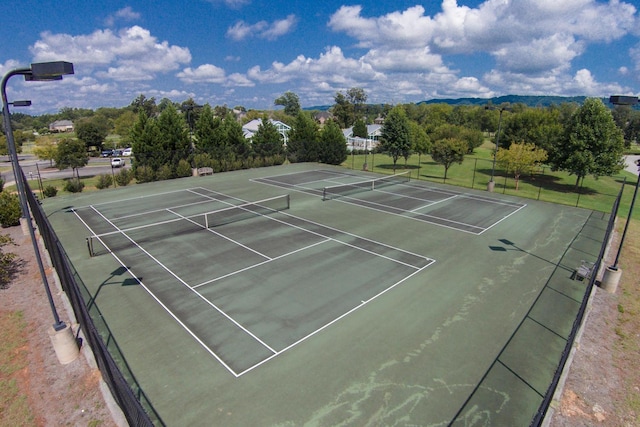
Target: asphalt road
<point>32,166</point>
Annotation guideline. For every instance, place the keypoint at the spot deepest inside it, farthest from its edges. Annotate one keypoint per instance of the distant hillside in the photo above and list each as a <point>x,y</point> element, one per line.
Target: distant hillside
<point>531,101</point>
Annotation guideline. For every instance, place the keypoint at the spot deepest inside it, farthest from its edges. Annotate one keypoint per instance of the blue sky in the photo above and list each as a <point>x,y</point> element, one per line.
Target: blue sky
<point>249,52</point>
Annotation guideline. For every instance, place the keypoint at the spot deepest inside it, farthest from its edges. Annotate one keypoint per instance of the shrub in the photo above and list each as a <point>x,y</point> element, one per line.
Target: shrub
<point>104,181</point>
<point>74,186</point>
<point>183,169</point>
<point>50,191</point>
<point>124,177</point>
<point>9,209</point>
<point>1,184</point>
<point>7,266</point>
<point>165,173</point>
<point>144,174</point>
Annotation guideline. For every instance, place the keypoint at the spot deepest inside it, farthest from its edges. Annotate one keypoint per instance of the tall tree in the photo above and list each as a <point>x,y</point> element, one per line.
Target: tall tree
<point>592,143</point>
<point>303,145</point>
<point>343,110</point>
<point>145,138</point>
<point>71,153</point>
<point>92,132</point>
<point>395,137</point>
<point>236,139</point>
<point>447,152</point>
<point>357,97</point>
<point>520,158</point>
<point>333,145</point>
<point>290,102</point>
<point>360,129</point>
<point>267,141</point>
<point>420,142</point>
<point>142,103</point>
<point>174,137</point>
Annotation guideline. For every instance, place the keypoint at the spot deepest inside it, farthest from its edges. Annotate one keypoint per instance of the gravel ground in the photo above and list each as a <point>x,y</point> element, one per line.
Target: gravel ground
<point>59,395</point>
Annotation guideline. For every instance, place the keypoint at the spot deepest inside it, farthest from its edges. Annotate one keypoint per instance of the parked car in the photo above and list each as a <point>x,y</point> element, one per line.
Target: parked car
<point>117,162</point>
<point>106,153</point>
<point>126,152</point>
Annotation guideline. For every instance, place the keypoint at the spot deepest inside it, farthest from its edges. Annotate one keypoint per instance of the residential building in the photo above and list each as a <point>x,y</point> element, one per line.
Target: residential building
<point>61,126</point>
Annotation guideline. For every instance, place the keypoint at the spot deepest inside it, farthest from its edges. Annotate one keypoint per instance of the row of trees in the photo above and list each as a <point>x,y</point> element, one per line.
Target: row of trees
<point>166,133</point>
<point>586,142</point>
<point>166,147</point>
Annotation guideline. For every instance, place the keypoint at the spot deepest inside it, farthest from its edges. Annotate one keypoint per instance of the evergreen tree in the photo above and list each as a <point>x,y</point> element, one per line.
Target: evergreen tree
<point>333,145</point>
<point>267,141</point>
<point>303,144</point>
<point>174,137</point>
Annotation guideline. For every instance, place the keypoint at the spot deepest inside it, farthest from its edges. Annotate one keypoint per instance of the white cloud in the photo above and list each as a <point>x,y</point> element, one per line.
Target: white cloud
<point>131,54</point>
<point>206,73</point>
<point>262,29</point>
<point>126,14</point>
<point>233,4</point>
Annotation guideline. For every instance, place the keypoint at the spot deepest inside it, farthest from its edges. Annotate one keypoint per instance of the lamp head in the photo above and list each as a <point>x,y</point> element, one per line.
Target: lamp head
<point>49,70</point>
<point>623,100</point>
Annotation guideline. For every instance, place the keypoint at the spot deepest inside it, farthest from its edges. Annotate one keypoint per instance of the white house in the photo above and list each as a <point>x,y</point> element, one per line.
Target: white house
<point>251,128</point>
<point>369,143</point>
<point>61,126</point>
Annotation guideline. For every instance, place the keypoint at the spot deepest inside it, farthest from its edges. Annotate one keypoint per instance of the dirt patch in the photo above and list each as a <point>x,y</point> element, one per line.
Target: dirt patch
<point>603,384</point>
<point>59,395</point>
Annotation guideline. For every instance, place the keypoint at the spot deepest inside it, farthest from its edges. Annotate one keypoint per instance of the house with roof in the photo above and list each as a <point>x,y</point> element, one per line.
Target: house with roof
<point>61,126</point>
<point>369,143</point>
<point>251,128</point>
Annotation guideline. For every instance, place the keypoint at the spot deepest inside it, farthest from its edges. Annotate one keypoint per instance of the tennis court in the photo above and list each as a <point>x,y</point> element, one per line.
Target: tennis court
<point>396,195</point>
<point>283,296</point>
<point>230,242</point>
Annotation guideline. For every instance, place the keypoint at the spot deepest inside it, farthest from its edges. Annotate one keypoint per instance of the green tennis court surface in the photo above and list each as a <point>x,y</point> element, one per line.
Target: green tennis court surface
<point>254,298</point>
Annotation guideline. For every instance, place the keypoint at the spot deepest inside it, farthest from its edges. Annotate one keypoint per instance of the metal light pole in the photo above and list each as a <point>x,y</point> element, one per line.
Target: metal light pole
<point>37,72</point>
<point>613,273</point>
<point>491,184</point>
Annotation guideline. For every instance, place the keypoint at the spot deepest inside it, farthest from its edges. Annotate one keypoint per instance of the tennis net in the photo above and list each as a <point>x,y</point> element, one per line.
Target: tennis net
<point>343,190</point>
<point>137,236</point>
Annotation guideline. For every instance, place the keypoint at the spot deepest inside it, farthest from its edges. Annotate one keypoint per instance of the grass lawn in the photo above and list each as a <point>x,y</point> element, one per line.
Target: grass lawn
<point>475,172</point>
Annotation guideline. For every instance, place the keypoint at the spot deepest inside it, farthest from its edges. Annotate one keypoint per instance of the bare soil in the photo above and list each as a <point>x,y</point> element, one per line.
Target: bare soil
<point>602,387</point>
<point>59,395</point>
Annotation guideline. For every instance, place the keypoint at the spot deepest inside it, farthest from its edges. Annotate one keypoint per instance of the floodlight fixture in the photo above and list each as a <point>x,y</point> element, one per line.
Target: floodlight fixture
<point>36,72</point>
<point>623,100</point>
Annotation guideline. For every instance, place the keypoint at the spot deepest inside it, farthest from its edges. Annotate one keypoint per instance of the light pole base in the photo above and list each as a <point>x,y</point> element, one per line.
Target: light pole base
<point>65,345</point>
<point>610,279</point>
<point>490,186</point>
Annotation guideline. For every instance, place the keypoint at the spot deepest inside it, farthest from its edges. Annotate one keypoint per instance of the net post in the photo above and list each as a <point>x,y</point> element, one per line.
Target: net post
<point>90,246</point>
<point>288,201</point>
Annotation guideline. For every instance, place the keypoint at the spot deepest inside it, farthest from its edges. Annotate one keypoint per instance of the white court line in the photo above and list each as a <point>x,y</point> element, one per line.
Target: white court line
<point>258,264</point>
<point>503,218</point>
<point>327,238</point>
<point>119,201</point>
<point>190,289</point>
<point>223,236</point>
<point>161,209</point>
<point>356,201</point>
<point>176,318</point>
<point>338,230</point>
<point>337,319</point>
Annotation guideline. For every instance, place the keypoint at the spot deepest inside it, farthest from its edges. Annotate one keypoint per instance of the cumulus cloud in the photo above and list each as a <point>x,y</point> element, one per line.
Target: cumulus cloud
<point>126,14</point>
<point>233,4</point>
<point>262,29</point>
<point>131,54</point>
<point>526,56</point>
